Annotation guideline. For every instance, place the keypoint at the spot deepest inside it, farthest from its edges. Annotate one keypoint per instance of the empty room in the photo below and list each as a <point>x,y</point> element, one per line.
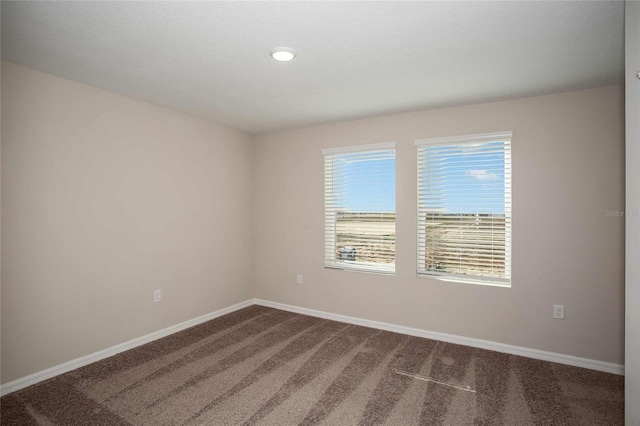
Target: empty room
<point>337,213</point>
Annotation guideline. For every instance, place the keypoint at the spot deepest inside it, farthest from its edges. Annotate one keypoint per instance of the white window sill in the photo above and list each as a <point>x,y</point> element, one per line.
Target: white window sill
<point>463,280</point>
<point>372,268</point>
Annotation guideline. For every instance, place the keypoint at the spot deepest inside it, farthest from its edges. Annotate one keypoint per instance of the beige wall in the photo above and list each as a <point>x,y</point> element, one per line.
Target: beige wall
<point>568,168</point>
<point>105,199</point>
<point>632,329</point>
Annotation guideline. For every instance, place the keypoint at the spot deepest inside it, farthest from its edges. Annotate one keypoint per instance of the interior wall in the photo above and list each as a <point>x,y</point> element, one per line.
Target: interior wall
<point>104,199</point>
<point>568,171</point>
<point>632,312</point>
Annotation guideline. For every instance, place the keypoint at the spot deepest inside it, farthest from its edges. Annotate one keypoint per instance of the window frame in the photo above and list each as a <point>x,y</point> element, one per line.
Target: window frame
<point>330,244</point>
<point>507,137</point>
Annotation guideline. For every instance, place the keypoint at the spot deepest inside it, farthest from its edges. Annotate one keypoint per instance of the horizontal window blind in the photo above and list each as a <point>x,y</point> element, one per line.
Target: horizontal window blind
<point>464,207</point>
<point>359,200</point>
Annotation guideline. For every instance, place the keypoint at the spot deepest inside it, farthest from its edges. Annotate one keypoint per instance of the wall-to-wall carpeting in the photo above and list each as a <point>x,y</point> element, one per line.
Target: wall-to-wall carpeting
<point>264,366</point>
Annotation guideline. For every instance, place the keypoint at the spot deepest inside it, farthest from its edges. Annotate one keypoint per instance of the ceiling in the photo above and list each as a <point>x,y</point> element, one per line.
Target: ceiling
<point>355,59</point>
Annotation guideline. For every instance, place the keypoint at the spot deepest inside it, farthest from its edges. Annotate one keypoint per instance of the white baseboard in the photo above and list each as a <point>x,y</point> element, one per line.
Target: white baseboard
<point>34,378</point>
<point>575,361</point>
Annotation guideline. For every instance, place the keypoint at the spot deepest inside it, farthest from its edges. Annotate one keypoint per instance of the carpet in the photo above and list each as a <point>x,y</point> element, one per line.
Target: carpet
<point>263,366</point>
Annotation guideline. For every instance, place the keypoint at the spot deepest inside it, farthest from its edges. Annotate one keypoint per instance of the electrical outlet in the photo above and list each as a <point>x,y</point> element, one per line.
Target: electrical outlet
<point>558,311</point>
<point>299,278</point>
<point>157,296</point>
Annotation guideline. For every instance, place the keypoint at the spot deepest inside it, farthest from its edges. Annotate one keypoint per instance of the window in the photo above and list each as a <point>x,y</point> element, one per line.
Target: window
<point>464,208</point>
<point>360,207</point>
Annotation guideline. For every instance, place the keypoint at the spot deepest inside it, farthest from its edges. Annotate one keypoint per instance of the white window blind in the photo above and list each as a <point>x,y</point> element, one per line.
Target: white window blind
<point>464,207</point>
<point>360,207</point>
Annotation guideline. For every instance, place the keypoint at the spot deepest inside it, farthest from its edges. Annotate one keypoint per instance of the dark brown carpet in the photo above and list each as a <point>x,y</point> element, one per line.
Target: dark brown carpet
<point>264,366</point>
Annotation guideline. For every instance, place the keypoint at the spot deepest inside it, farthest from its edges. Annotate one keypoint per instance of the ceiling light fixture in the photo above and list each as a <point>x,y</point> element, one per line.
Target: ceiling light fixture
<point>283,54</point>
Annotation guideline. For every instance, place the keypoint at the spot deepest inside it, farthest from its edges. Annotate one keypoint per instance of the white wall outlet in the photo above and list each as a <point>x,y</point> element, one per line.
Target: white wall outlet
<point>558,311</point>
<point>157,296</point>
<point>299,278</point>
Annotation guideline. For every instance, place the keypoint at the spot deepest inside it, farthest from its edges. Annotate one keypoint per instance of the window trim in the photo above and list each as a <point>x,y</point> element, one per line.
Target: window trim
<point>367,267</point>
<point>359,148</point>
<point>478,137</point>
<point>459,278</point>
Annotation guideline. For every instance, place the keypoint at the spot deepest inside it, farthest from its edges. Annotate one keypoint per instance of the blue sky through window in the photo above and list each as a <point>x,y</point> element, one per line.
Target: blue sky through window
<point>370,182</point>
<point>465,179</point>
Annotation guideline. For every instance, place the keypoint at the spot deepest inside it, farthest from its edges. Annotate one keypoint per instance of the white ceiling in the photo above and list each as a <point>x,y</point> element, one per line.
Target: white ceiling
<point>355,59</point>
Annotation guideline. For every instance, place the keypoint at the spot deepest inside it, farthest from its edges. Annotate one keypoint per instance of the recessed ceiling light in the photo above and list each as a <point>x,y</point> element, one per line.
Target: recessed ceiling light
<point>283,54</point>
